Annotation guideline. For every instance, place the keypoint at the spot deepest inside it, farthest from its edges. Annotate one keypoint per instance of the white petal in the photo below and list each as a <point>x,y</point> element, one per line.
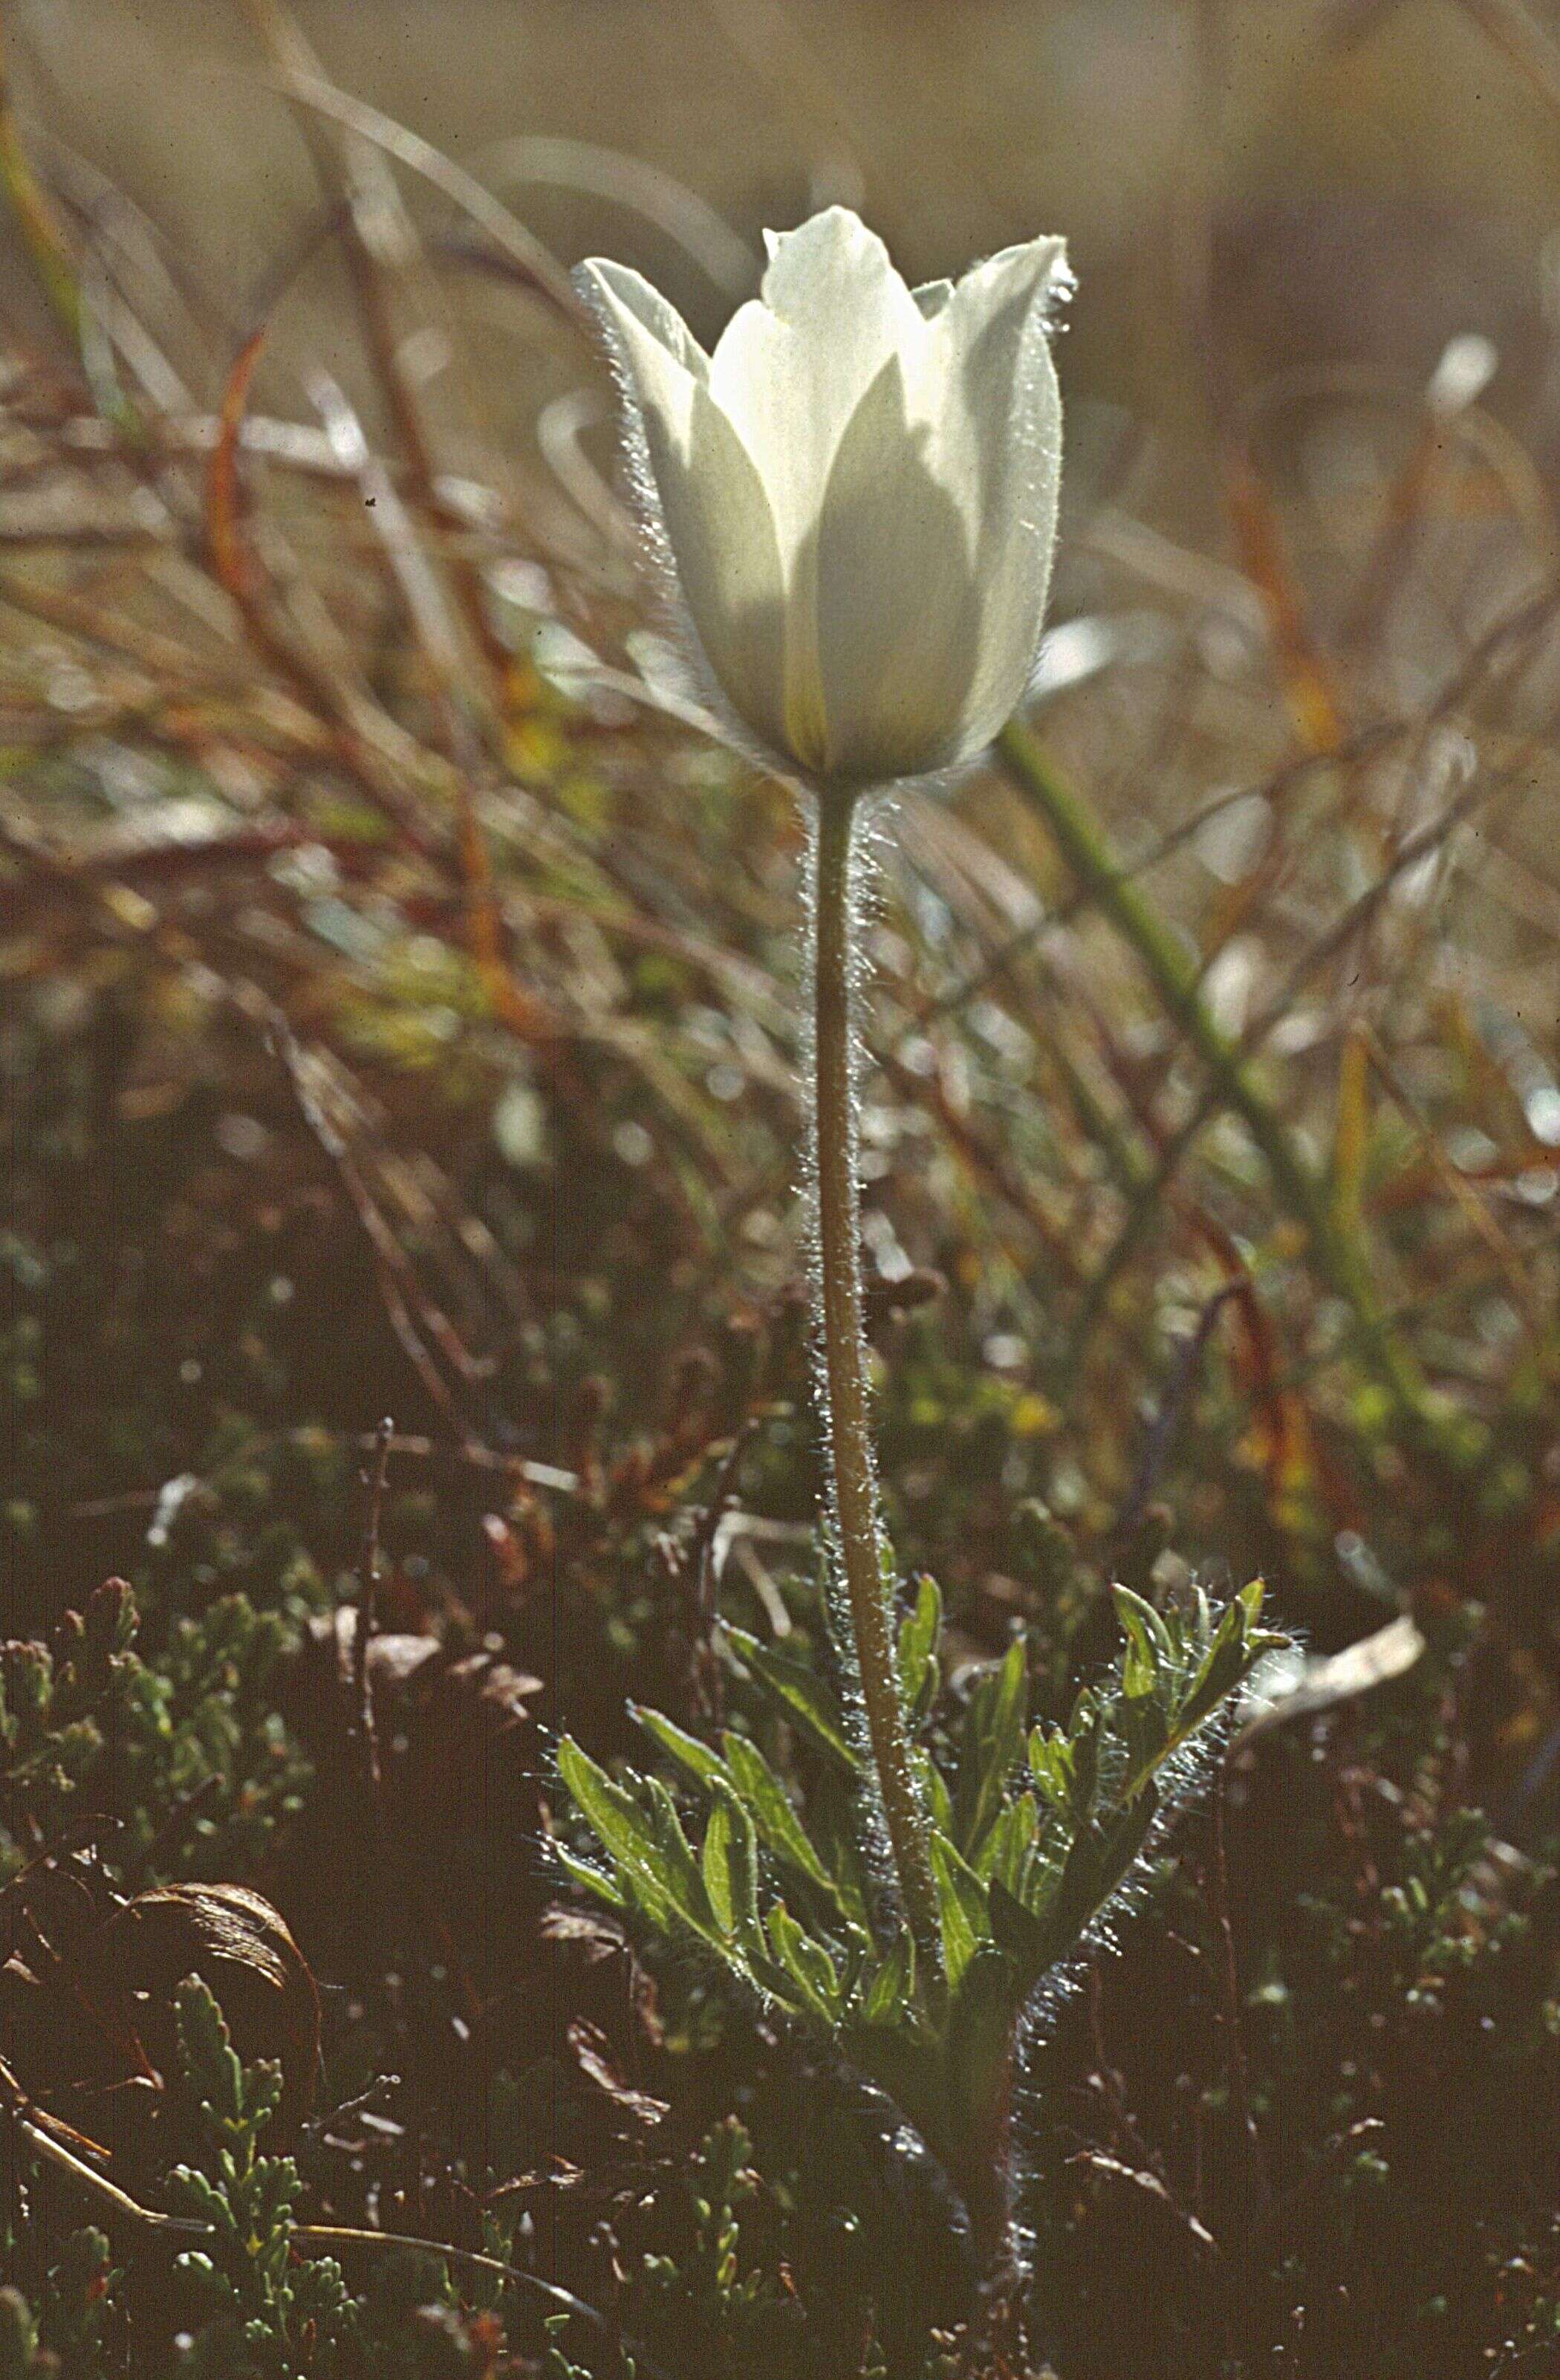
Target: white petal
<point>702,498</point>
<point>625,293</point>
<point>793,364</point>
<point>999,451</point>
<point>1038,265</point>
<point>898,607</point>
<point>933,548</point>
<point>857,493</point>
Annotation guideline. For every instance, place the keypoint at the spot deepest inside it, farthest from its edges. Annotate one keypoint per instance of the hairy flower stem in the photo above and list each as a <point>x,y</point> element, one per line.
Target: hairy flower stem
<point>1175,976</point>
<point>841,1366</point>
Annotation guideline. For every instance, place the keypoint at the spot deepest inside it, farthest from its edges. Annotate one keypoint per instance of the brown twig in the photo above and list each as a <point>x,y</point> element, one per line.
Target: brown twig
<point>368,1599</point>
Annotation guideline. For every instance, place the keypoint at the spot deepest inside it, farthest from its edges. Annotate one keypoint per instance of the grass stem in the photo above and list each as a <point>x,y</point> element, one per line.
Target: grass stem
<point>1175,975</point>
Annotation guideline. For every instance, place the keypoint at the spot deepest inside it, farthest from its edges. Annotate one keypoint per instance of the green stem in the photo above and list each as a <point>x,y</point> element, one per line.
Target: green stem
<point>841,1369</point>
<point>1175,975</point>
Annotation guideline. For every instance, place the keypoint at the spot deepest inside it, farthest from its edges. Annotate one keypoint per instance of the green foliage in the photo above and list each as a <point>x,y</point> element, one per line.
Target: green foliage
<point>1027,1854</point>
<point>1309,2123</point>
<point>725,2315</point>
<point>69,2340</point>
<point>556,2364</point>
<point>77,2304</point>
<point>268,2308</point>
<point>197,1720</point>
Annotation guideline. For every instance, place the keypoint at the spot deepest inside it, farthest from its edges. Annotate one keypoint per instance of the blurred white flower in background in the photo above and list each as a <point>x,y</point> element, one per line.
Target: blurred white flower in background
<point>854,501</point>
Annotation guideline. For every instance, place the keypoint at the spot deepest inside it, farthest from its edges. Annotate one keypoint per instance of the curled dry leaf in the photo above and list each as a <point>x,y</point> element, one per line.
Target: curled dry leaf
<point>89,1994</point>
<point>240,1946</point>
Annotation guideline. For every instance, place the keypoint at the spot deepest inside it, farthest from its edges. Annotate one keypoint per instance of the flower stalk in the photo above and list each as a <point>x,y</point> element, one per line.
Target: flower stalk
<point>851,505</point>
<point>842,1366</point>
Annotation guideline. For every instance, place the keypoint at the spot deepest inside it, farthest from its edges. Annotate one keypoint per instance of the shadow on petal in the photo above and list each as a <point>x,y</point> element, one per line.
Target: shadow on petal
<point>891,598</point>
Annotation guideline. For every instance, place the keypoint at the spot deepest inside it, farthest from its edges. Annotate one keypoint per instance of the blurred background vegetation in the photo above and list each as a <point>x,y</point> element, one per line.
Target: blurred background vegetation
<point>402,1013</point>
<point>1380,178</point>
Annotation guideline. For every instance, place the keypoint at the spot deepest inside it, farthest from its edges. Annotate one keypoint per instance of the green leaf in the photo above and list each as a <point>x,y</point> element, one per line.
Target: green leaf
<point>779,1829</point>
<point>1069,1900</point>
<point>698,1758</point>
<point>993,1744</point>
<point>962,1907</point>
<point>678,1870</point>
<point>1233,1648</point>
<point>980,2038</point>
<point>1050,1763</point>
<point>1146,1727</point>
<point>833,1822</point>
<point>212,2064</point>
<point>1151,1654</point>
<point>1065,1762</point>
<point>807,1961</point>
<point>934,1790</point>
<point>18,2336</point>
<point>1006,1848</point>
<point>716,1866</point>
<point>893,1986</point>
<point>202,2196</point>
<point>1085,1731</point>
<point>590,1879</point>
<point>730,1866</point>
<point>620,1826</point>
<point>1125,1842</point>
<point>919,1673</point>
<point>804,1697</point>
<point>1016,1930</point>
<point>744,1771</point>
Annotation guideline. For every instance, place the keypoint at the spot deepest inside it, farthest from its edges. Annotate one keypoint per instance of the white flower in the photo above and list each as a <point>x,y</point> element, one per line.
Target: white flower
<point>854,497</point>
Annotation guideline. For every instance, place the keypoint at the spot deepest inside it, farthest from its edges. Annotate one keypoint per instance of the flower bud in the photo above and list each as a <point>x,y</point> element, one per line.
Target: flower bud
<point>853,501</point>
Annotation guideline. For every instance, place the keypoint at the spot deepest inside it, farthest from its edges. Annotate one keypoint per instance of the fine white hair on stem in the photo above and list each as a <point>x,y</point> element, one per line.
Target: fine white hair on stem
<point>865,887</point>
